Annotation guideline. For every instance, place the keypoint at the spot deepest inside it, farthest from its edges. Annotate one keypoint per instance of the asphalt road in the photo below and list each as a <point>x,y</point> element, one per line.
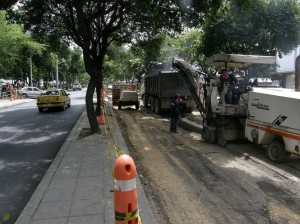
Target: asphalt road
<point>29,141</point>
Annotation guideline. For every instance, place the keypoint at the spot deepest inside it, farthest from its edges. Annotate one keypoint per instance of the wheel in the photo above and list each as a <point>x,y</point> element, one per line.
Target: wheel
<point>209,136</point>
<point>40,109</point>
<point>137,106</point>
<point>276,152</point>
<point>119,105</point>
<point>69,104</point>
<point>189,110</point>
<point>153,104</point>
<point>24,95</point>
<point>145,102</point>
<point>157,107</point>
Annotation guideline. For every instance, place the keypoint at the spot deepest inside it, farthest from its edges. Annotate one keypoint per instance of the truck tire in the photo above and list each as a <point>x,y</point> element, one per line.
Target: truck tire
<point>276,152</point>
<point>209,136</point>
<point>145,102</point>
<point>137,106</point>
<point>188,110</point>
<point>119,105</point>
<point>157,106</point>
<point>153,104</point>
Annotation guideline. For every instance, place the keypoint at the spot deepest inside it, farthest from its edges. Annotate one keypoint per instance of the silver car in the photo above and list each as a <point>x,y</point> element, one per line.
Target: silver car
<point>30,92</point>
<point>76,86</point>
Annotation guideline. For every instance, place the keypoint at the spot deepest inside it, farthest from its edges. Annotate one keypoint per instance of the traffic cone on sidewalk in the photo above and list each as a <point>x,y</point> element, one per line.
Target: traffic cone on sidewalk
<point>101,119</point>
<point>12,97</point>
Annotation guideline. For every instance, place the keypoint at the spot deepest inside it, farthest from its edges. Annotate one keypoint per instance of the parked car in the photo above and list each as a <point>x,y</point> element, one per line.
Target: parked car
<point>128,98</point>
<point>76,86</point>
<point>53,98</point>
<point>31,92</point>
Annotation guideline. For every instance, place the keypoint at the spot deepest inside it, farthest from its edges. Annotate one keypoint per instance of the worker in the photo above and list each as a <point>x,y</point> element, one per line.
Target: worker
<point>175,114</point>
<point>233,82</point>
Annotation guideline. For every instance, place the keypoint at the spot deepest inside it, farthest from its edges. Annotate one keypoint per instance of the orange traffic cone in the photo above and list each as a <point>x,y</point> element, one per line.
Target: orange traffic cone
<point>125,194</point>
<point>101,119</point>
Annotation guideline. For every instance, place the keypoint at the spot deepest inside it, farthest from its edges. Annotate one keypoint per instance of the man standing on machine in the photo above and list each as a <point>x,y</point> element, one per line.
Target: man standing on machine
<point>233,82</point>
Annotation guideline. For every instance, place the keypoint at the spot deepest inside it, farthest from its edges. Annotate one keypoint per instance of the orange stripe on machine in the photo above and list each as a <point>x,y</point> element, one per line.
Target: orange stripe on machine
<point>274,130</point>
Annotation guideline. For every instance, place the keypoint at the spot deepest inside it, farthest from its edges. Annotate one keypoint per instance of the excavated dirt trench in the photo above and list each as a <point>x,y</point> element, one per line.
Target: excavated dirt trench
<point>188,181</point>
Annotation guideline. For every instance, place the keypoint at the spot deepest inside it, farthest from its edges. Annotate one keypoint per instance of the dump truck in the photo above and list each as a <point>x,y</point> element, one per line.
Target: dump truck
<point>159,85</point>
<point>265,116</point>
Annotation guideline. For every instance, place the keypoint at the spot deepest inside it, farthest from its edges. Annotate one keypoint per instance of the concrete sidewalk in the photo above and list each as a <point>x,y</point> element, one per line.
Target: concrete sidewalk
<point>6,102</point>
<point>78,186</point>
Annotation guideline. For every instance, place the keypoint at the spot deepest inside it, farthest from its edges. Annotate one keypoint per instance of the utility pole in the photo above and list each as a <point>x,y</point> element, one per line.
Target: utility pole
<point>30,63</point>
<point>57,74</point>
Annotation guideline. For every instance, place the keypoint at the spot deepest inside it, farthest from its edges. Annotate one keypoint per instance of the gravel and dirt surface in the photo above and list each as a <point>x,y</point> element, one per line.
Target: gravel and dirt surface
<point>188,181</point>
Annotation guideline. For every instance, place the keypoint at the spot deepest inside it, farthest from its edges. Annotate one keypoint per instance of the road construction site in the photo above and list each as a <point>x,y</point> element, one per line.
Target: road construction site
<point>189,181</point>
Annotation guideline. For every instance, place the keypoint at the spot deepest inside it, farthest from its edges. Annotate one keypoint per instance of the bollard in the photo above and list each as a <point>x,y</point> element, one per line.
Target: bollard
<point>125,194</point>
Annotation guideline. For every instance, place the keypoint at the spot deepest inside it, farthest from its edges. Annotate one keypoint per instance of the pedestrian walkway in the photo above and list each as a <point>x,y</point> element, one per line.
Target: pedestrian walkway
<point>78,186</point>
<point>7,102</point>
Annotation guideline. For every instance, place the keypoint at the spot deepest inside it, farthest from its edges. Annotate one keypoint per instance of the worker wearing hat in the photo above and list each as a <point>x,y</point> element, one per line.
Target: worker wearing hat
<point>233,82</point>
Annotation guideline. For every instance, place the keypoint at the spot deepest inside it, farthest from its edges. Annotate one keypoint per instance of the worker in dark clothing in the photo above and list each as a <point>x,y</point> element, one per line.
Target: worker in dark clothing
<point>233,82</point>
<point>175,114</point>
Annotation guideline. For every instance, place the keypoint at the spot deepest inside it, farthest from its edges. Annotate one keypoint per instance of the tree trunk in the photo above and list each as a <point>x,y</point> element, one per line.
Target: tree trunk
<point>98,108</point>
<point>90,107</point>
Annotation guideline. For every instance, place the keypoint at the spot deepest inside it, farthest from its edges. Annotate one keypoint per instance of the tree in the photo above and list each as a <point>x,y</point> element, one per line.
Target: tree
<point>94,25</point>
<point>15,46</point>
<point>5,4</point>
<point>263,27</point>
<point>76,64</point>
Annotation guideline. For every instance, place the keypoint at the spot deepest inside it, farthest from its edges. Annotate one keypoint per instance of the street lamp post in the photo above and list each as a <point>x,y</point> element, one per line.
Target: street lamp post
<point>30,63</point>
<point>28,33</point>
<point>57,74</point>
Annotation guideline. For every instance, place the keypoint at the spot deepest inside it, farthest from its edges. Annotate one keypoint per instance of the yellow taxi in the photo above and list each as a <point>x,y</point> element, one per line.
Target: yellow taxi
<point>53,98</point>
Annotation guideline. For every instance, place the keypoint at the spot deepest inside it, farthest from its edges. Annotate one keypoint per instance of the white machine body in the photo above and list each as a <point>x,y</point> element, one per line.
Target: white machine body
<point>274,113</point>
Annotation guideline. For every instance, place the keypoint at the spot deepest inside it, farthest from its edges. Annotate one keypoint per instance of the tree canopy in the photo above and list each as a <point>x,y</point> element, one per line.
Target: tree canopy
<point>6,4</point>
<point>264,27</point>
<point>15,46</point>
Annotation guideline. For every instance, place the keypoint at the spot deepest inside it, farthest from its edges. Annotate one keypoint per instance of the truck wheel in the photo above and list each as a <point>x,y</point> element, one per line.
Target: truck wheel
<point>40,109</point>
<point>145,102</point>
<point>137,106</point>
<point>153,104</point>
<point>189,110</point>
<point>209,136</point>
<point>119,105</point>
<point>157,106</point>
<point>276,152</point>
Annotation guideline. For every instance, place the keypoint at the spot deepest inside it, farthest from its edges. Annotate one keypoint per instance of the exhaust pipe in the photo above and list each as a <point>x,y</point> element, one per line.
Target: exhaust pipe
<point>297,74</point>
